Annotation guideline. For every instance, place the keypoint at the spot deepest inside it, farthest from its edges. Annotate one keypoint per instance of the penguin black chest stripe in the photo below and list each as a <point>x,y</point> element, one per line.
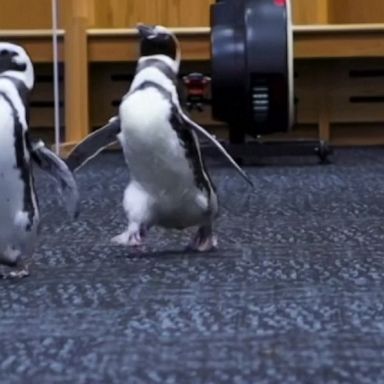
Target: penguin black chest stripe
<point>20,86</point>
<point>166,70</point>
<point>21,163</point>
<point>186,138</point>
<point>161,66</point>
<point>22,90</point>
<point>192,152</point>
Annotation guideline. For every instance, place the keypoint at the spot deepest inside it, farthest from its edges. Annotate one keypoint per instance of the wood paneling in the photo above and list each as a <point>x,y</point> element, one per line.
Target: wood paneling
<point>76,73</point>
<point>356,11</point>
<point>19,14</point>
<point>107,13</point>
<point>122,45</point>
<point>41,103</point>
<point>310,11</point>
<point>31,14</point>
<point>361,40</point>
<point>347,100</point>
<point>355,90</point>
<point>38,43</point>
<point>337,11</point>
<point>172,13</point>
<point>309,42</point>
<point>353,97</point>
<point>126,13</point>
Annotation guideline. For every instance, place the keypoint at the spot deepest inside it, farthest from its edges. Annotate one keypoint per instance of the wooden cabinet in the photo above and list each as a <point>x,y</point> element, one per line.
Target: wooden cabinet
<point>310,12</point>
<point>356,11</point>
<point>95,45</point>
<point>19,14</point>
<point>171,13</point>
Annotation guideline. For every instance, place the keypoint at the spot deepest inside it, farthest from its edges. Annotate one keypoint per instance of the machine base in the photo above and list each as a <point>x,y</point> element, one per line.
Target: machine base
<point>253,151</point>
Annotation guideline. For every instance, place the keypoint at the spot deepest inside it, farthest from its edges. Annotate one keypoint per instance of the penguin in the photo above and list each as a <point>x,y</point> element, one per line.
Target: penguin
<point>19,208</point>
<point>169,186</point>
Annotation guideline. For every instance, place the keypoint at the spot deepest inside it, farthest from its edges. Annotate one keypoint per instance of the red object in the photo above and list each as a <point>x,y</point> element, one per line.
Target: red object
<point>196,84</point>
<point>280,3</point>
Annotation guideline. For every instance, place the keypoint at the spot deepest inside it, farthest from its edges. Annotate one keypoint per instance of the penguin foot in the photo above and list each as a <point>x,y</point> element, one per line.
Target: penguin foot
<point>19,274</point>
<point>128,239</point>
<point>203,241</point>
<point>121,239</point>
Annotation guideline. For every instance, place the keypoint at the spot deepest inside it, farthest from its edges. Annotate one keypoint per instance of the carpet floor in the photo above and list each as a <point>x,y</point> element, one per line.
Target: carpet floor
<point>295,293</point>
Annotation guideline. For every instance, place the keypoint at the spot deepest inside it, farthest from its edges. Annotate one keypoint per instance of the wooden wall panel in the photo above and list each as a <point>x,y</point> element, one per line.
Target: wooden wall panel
<point>185,13</point>
<point>13,14</point>
<point>108,13</point>
<point>357,93</point>
<point>356,11</point>
<point>310,11</point>
<point>171,13</point>
<point>188,15</point>
<point>178,13</point>
<point>42,105</point>
<point>19,14</point>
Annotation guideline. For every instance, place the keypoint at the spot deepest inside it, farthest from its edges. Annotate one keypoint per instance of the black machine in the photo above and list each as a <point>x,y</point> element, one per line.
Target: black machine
<point>252,73</point>
<point>252,66</point>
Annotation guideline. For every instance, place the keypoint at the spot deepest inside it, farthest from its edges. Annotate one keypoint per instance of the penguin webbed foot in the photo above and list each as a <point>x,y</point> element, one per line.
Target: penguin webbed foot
<point>125,240</point>
<point>204,240</point>
<point>132,237</point>
<point>19,272</point>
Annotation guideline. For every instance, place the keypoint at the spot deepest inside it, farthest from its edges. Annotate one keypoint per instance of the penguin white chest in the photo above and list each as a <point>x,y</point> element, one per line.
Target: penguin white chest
<point>157,159</point>
<point>12,190</point>
<point>13,217</point>
<point>152,147</point>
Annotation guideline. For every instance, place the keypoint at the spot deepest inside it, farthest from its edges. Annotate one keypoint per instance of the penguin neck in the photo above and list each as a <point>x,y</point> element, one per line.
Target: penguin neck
<point>18,84</point>
<point>169,62</point>
<point>27,78</point>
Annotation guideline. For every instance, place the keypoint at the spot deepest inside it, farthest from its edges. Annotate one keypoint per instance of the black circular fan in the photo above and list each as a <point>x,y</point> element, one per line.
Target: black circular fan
<point>252,66</point>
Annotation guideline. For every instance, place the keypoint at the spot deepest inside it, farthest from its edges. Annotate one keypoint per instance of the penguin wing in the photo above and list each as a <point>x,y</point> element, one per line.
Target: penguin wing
<point>93,144</point>
<point>200,130</point>
<point>49,162</point>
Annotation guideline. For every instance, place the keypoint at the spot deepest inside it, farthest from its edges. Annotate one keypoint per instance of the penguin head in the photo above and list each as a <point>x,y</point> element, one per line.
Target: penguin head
<point>158,40</point>
<point>15,62</point>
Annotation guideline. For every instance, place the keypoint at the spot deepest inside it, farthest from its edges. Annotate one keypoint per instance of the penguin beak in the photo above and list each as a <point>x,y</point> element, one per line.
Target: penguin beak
<point>146,31</point>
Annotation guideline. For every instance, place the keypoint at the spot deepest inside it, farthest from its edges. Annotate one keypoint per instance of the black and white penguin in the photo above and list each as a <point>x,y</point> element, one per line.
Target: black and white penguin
<point>19,210</point>
<point>169,183</point>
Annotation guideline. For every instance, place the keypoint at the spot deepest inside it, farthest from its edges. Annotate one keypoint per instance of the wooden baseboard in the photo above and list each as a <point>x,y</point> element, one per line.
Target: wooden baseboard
<point>341,135</point>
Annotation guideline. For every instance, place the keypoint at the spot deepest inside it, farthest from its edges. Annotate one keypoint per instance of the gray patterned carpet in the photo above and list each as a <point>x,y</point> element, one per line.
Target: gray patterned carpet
<point>295,294</point>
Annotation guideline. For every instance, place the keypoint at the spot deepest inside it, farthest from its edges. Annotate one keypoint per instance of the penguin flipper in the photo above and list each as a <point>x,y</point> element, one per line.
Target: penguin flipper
<point>200,130</point>
<point>93,144</point>
<point>49,162</point>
